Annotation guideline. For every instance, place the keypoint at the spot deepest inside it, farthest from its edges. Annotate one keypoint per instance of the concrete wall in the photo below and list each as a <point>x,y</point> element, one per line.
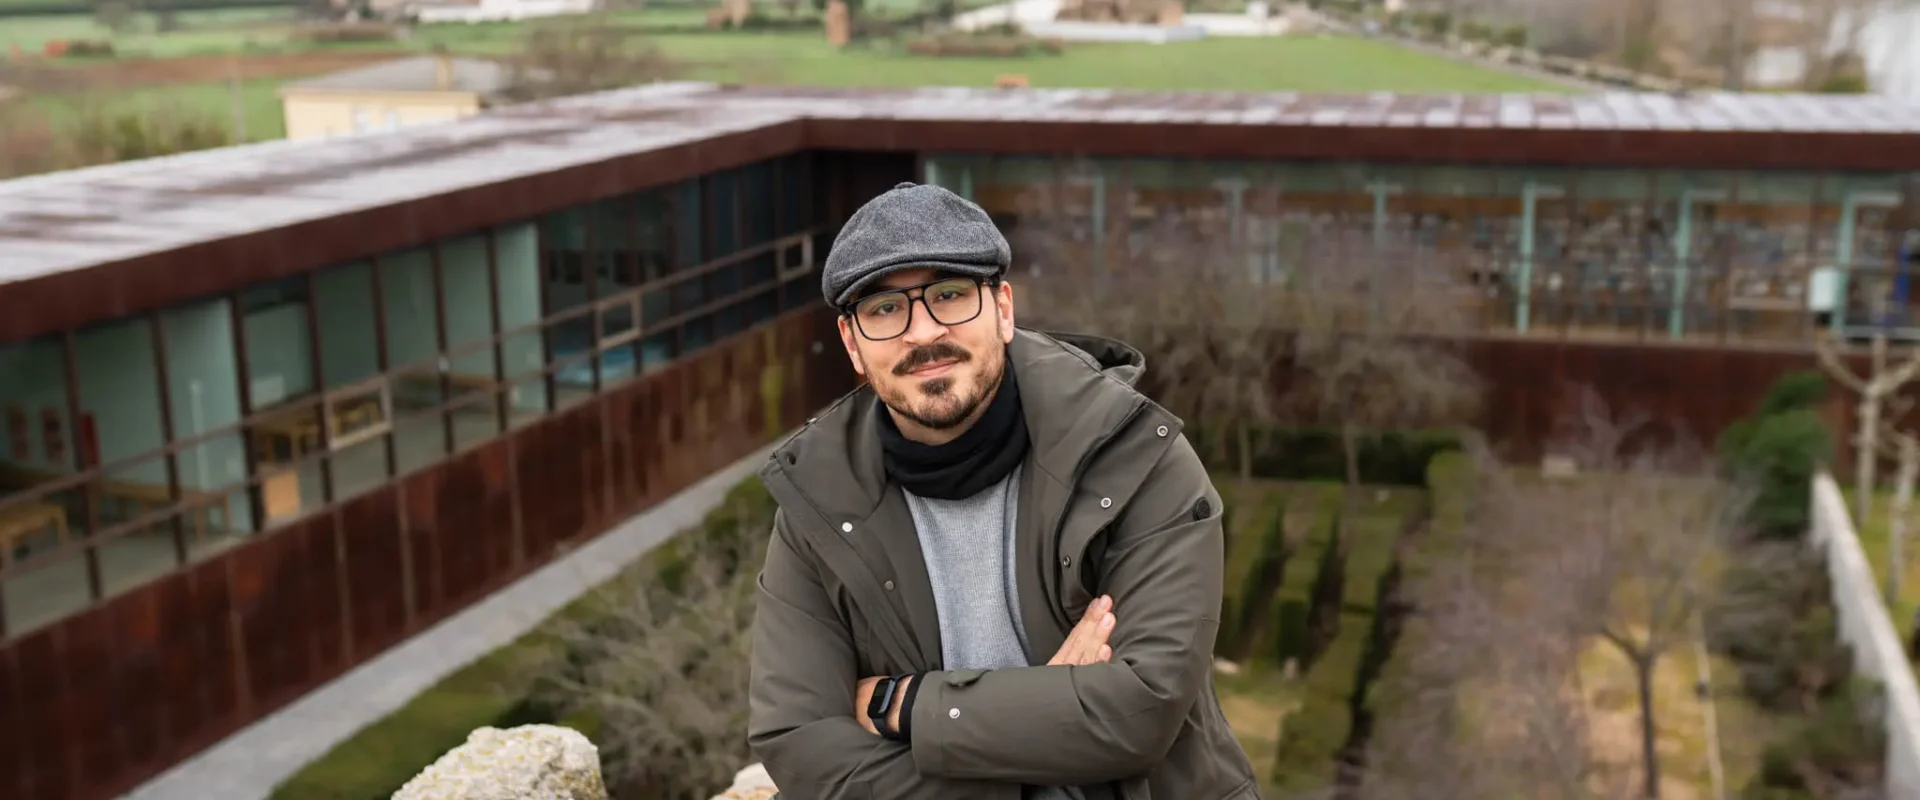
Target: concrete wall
<point>1870,633</point>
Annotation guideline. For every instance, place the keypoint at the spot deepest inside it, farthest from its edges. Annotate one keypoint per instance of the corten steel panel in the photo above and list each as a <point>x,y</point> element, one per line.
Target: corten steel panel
<point>420,504</point>
<point>625,406</point>
<point>1694,391</point>
<point>48,738</point>
<point>86,655</point>
<point>138,677</point>
<point>286,599</point>
<point>557,462</point>
<point>375,571</point>
<point>475,516</point>
<point>13,758</point>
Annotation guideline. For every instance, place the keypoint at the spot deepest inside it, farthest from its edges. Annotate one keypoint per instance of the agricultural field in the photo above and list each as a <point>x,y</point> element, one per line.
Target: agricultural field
<point>199,64</point>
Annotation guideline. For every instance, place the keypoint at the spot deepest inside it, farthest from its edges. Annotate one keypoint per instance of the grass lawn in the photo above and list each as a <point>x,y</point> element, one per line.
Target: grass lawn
<point>202,32</point>
<point>258,103</point>
<point>1685,748</point>
<point>1875,538</point>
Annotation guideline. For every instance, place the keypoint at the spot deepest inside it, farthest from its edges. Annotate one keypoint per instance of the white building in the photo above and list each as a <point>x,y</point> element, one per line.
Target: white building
<point>471,11</point>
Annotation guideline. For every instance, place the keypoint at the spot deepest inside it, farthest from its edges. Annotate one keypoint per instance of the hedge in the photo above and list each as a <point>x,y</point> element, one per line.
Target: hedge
<point>1390,458</point>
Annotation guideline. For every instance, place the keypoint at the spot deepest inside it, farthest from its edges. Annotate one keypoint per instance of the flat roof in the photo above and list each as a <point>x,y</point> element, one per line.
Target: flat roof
<point>190,211</point>
<point>416,74</point>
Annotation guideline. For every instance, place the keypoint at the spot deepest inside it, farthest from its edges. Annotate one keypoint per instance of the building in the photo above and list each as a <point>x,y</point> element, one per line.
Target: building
<point>390,95</point>
<point>472,11</point>
<point>270,409</point>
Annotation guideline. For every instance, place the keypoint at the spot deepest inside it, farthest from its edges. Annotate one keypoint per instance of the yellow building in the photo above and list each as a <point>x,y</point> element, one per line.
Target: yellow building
<point>409,91</point>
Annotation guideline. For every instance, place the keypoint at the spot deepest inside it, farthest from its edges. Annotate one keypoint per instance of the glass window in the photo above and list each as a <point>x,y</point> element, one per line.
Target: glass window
<point>687,233</point>
<point>517,257</point>
<point>757,203</point>
<point>203,398</point>
<point>796,194</point>
<point>413,357</point>
<point>723,208</point>
<point>467,293</point>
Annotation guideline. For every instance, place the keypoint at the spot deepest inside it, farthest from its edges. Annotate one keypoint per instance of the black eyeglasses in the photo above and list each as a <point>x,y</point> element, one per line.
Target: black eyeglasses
<point>888,315</point>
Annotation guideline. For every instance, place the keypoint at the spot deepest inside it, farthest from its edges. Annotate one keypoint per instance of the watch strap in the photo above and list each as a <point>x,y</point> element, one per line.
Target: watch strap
<point>906,707</point>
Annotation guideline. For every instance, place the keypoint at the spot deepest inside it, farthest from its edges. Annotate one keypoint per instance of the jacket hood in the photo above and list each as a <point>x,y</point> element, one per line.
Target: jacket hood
<point>1115,358</point>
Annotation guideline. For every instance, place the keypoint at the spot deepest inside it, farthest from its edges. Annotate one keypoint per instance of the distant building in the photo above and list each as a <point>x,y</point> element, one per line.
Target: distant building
<point>498,10</point>
<point>391,95</point>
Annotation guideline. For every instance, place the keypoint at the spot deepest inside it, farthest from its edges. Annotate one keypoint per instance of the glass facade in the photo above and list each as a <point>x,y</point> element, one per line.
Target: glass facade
<point>136,446</point>
<point>1609,252</point>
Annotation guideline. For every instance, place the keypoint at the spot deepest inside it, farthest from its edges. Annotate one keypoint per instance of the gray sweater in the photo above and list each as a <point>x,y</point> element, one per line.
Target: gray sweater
<point>969,548</point>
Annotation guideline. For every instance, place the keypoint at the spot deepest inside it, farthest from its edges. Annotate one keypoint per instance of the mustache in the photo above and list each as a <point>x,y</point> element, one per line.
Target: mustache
<point>922,356</point>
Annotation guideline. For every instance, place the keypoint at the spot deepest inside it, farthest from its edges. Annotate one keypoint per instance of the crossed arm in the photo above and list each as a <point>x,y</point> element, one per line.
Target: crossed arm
<point>1080,721</point>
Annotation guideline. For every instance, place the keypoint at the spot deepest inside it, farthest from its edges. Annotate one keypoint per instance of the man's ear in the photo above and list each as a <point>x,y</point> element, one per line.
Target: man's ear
<point>846,340</point>
<point>1005,308</point>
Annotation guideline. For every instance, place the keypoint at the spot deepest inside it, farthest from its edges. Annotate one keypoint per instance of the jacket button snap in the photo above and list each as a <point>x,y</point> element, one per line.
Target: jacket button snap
<point>1106,502</point>
<point>846,527</point>
<point>1201,509</point>
<point>1066,561</point>
<point>953,713</point>
<point>889,585</point>
<point>1162,430</point>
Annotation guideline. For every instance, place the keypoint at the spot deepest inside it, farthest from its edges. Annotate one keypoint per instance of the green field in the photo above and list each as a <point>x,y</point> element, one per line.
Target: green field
<point>202,32</point>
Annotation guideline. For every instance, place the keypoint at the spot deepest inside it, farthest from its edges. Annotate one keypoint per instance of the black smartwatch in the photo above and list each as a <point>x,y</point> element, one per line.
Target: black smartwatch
<point>886,697</point>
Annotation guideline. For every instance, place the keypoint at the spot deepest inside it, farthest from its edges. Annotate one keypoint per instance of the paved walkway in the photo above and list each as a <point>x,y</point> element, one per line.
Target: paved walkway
<point>251,762</point>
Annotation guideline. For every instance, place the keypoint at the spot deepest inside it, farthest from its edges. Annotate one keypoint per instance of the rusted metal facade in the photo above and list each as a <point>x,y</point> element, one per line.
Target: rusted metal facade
<point>98,701</point>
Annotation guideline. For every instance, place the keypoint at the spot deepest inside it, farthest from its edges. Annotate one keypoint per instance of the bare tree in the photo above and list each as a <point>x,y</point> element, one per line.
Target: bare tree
<point>1374,329</point>
<point>1636,545</point>
<point>1476,702</point>
<point>1881,382</point>
<point>661,662</point>
<point>1176,286</point>
<point>1904,448</point>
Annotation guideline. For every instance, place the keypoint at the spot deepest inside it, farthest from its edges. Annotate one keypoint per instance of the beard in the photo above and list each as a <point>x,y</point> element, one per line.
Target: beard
<point>945,402</point>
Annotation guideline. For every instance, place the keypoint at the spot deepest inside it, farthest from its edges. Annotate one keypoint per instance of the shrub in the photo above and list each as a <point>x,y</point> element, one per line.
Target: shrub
<point>660,662</point>
<point>1780,455</point>
<point>1293,641</point>
<point>1261,585</point>
<point>1778,450</point>
<point>1328,596</point>
<point>1389,458</point>
<point>1836,752</point>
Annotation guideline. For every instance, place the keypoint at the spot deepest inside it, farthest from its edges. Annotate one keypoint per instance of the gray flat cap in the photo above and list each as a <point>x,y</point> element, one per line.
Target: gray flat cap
<point>912,226</point>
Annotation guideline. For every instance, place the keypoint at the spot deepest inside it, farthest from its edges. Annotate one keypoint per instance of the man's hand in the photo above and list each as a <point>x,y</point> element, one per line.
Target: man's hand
<point>863,694</point>
<point>1087,642</point>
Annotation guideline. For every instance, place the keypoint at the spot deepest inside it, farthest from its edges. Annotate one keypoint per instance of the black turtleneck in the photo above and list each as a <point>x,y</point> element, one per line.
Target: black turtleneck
<point>981,457</point>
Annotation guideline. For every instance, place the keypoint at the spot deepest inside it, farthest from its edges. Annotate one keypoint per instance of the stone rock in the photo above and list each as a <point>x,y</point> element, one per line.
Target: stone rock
<point>531,762</point>
<point>751,783</point>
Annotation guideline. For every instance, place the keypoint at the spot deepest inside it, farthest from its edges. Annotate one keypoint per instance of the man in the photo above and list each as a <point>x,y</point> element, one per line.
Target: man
<point>996,568</point>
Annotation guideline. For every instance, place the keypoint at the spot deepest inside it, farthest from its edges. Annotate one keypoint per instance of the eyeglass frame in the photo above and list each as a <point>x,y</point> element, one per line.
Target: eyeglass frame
<point>920,300</point>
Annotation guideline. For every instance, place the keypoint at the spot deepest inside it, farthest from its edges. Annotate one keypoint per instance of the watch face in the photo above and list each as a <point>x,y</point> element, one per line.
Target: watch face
<point>882,698</point>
